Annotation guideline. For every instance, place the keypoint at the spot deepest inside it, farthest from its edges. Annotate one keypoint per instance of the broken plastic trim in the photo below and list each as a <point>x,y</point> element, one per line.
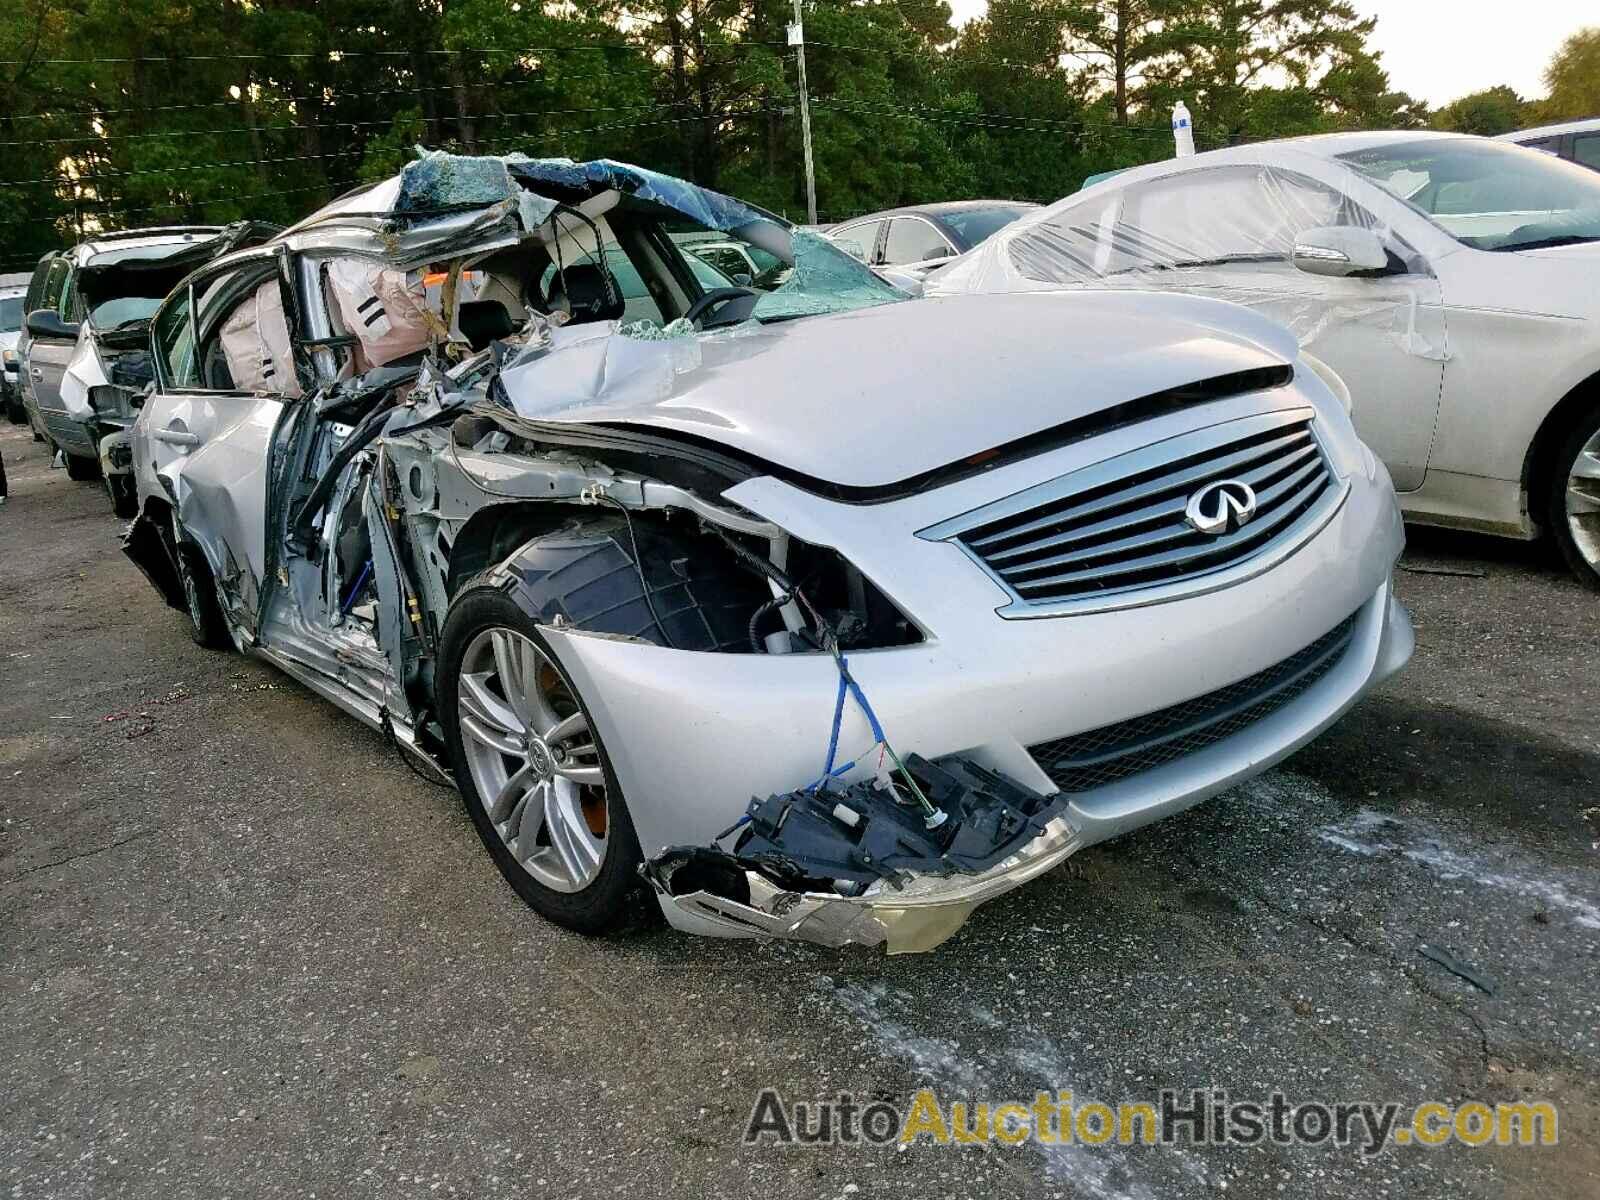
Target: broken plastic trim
<point>860,865</point>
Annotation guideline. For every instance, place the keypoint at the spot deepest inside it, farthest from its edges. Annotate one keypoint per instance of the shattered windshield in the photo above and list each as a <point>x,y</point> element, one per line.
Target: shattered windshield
<point>1489,195</point>
<point>821,279</point>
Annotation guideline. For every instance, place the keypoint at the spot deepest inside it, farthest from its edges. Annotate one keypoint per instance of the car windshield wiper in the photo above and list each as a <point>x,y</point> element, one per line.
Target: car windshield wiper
<point>1564,239</point>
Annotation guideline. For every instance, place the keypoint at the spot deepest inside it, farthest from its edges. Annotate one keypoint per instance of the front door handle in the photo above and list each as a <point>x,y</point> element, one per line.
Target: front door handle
<point>36,372</point>
<point>177,437</point>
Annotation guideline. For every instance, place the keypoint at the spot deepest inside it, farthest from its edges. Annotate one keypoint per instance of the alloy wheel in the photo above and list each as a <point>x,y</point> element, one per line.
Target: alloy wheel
<point>533,759</point>
<point>1583,501</point>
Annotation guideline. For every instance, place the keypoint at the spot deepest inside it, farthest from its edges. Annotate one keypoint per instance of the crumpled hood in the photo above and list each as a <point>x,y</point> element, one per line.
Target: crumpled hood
<point>879,395</point>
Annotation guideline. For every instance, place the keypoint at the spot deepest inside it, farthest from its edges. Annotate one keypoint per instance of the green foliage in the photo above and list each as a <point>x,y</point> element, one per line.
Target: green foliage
<point>1487,113</point>
<point>119,113</point>
<point>1573,78</point>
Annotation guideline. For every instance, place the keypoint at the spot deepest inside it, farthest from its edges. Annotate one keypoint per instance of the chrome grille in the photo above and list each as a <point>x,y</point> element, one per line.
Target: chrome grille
<point>1119,526</point>
<point>1089,760</point>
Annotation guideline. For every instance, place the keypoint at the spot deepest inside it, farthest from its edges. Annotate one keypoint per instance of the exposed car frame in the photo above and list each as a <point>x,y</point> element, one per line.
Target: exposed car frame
<point>644,591</point>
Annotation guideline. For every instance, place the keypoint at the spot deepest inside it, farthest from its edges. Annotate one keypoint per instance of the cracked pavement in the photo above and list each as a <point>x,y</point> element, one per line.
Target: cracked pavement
<point>245,952</point>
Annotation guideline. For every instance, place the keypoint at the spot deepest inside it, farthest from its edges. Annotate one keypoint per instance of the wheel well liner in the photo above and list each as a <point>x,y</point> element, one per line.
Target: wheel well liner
<point>1558,422</point>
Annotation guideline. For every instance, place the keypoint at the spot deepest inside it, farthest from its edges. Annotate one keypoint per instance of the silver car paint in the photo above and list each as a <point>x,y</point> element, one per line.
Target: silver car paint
<point>780,392</point>
<point>692,738</point>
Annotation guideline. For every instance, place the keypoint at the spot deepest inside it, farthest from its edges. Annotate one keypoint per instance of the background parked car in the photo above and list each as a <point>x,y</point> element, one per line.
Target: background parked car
<point>924,233</point>
<point>84,344</point>
<point>1576,141</point>
<point>1450,280</point>
<point>13,289</point>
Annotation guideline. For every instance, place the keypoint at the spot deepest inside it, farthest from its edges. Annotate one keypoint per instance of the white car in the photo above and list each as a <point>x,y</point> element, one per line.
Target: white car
<point>1452,282</point>
<point>1575,140</point>
<point>84,363</point>
<point>827,612</point>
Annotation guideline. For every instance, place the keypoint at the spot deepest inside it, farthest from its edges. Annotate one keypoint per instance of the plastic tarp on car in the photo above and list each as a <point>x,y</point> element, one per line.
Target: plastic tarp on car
<point>1226,231</point>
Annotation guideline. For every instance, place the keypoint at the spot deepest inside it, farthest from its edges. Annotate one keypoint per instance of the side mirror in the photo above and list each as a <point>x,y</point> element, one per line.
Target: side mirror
<point>742,278</point>
<point>935,252</point>
<point>1340,250</point>
<point>47,323</point>
<point>853,248</point>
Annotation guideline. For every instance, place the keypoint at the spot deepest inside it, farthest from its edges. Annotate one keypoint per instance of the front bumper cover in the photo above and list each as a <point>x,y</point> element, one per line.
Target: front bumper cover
<point>917,911</point>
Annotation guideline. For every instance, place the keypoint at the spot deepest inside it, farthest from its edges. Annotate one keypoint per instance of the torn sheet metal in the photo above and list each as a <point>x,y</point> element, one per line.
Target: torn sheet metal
<point>1228,232</point>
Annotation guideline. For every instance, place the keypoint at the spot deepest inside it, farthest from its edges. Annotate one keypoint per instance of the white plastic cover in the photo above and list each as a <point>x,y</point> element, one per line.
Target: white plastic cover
<point>385,309</point>
<point>255,341</point>
<point>1228,231</point>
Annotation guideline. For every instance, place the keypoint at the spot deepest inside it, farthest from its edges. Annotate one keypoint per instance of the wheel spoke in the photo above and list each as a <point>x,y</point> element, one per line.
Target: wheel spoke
<point>516,674</point>
<point>569,835</point>
<point>515,789</point>
<point>567,727</point>
<point>486,709</point>
<point>581,772</point>
<point>1588,464</point>
<point>1583,497</point>
<point>534,807</point>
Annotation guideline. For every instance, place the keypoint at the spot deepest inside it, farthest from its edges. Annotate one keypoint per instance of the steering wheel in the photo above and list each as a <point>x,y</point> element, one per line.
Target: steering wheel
<point>715,297</point>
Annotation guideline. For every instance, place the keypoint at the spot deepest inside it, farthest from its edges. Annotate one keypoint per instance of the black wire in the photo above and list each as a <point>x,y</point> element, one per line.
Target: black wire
<point>638,566</point>
<point>388,729</point>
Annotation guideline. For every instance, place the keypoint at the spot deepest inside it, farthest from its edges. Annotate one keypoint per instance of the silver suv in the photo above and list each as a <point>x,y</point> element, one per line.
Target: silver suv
<point>83,349</point>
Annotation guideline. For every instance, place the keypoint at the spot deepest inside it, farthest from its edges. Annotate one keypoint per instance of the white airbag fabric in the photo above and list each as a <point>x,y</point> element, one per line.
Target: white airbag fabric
<point>255,341</point>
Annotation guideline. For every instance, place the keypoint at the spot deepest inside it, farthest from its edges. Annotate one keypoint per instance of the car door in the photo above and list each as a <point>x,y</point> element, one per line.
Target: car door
<point>859,240</point>
<point>1229,232</point>
<point>46,358</point>
<point>204,436</point>
<point>914,240</point>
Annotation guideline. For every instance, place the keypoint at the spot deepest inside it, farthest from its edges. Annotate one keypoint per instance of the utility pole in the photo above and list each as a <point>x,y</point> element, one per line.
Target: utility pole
<point>797,39</point>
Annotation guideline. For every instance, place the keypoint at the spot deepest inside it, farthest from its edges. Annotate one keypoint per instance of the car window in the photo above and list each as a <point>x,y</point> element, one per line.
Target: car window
<point>911,240</point>
<point>173,342</point>
<point>37,286</point>
<point>859,241</point>
<point>637,303</point>
<point>55,283</point>
<point>10,314</point>
<point>1489,195</point>
<point>1549,145</point>
<point>727,259</point>
<point>1204,218</point>
<point>975,224</point>
<point>1586,149</point>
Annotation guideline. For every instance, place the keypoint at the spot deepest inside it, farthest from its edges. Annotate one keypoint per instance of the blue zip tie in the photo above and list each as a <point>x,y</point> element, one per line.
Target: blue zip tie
<point>356,590</point>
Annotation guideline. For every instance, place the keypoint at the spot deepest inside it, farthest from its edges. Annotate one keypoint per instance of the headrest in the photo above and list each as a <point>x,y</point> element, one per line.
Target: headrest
<point>483,321</point>
<point>588,293</point>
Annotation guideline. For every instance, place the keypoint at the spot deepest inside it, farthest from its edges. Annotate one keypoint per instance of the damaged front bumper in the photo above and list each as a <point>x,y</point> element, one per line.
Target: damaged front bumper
<point>710,891</point>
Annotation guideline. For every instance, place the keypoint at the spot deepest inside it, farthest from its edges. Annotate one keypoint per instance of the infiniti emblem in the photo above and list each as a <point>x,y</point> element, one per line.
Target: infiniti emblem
<point>539,759</point>
<point>1219,508</point>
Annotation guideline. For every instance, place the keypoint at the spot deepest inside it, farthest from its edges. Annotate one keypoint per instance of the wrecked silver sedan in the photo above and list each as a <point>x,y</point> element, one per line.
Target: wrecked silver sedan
<point>816,611</point>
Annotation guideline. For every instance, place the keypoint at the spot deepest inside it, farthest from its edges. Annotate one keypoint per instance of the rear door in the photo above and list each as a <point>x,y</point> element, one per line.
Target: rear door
<point>47,358</point>
<point>204,437</point>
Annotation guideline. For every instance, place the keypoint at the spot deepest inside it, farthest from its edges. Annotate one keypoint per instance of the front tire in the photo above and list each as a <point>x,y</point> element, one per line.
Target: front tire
<point>124,496</point>
<point>1573,501</point>
<point>531,768</point>
<point>82,470</point>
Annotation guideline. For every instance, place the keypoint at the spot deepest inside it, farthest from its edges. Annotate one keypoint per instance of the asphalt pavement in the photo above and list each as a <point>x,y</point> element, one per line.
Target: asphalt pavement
<point>245,952</point>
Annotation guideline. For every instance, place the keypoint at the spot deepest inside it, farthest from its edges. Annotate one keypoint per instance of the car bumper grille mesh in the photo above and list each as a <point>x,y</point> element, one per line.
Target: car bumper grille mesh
<point>1086,761</point>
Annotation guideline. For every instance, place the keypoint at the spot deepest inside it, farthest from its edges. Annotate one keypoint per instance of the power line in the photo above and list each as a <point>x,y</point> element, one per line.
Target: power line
<point>335,54</point>
<point>268,100</point>
<point>268,129</point>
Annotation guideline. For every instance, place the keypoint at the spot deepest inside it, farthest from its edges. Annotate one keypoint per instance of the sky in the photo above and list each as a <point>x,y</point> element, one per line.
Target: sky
<point>1439,50</point>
